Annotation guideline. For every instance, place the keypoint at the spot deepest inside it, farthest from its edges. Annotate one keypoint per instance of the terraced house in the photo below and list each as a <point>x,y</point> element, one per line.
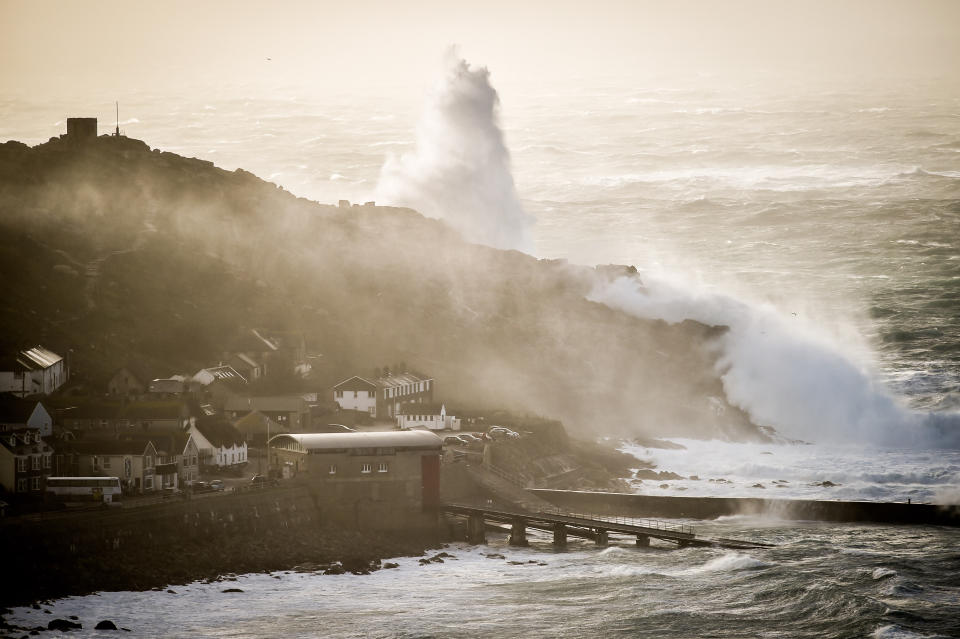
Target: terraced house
<point>25,461</point>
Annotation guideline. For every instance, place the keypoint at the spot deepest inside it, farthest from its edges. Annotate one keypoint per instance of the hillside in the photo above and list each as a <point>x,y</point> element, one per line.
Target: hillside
<point>119,252</point>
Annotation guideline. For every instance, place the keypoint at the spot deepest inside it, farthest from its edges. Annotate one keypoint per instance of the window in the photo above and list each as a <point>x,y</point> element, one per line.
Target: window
<point>21,464</point>
<point>355,394</point>
<point>34,483</point>
<point>148,483</point>
<point>96,462</point>
<point>333,469</point>
<point>46,461</point>
<point>366,468</point>
<point>382,467</point>
<point>106,462</point>
<point>148,461</point>
<point>338,393</point>
<point>22,485</point>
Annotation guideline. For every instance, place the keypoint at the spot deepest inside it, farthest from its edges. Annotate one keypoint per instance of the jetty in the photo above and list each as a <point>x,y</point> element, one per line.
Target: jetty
<point>564,524</point>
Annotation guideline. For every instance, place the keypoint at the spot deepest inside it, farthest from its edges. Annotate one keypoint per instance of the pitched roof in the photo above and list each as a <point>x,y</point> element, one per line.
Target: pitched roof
<point>37,358</point>
<point>257,422</point>
<point>219,431</point>
<point>269,404</point>
<point>355,383</point>
<point>207,376</point>
<point>391,381</point>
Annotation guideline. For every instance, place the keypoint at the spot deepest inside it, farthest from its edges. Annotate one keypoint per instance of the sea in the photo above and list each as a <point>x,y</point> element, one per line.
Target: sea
<point>820,220</point>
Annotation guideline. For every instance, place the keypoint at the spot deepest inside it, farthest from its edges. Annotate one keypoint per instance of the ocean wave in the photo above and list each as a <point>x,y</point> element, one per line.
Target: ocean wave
<point>731,562</point>
<point>882,573</point>
<point>896,632</point>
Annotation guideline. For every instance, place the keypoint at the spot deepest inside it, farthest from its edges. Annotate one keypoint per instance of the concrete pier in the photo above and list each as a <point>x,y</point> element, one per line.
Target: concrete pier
<point>560,535</point>
<point>476,529</point>
<point>518,533</point>
<point>603,537</point>
<point>643,541</point>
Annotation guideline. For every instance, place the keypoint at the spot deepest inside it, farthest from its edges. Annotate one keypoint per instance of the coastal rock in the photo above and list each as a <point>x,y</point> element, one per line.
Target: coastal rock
<point>645,473</point>
<point>335,569</point>
<point>63,625</point>
<point>494,555</point>
<point>389,565</point>
<point>106,624</point>
<point>758,485</point>
<point>232,590</point>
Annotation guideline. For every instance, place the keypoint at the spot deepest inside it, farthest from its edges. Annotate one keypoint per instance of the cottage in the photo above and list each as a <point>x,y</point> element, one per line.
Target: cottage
<point>180,449</point>
<point>16,414</point>
<point>130,380</point>
<point>432,416</point>
<point>220,444</point>
<point>133,460</point>
<point>395,390</point>
<point>125,419</point>
<point>291,412</point>
<point>34,371</point>
<point>378,480</point>
<point>25,460</point>
<point>257,428</point>
<point>358,394</point>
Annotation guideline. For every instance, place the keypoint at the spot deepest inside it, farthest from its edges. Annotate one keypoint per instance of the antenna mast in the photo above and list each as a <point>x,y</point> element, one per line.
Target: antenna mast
<point>117,133</point>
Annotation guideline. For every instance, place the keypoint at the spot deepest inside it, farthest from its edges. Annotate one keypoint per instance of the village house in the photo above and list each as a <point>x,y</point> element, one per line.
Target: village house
<point>25,461</point>
<point>177,448</point>
<point>257,428</point>
<point>291,412</point>
<point>134,461</point>
<point>219,444</point>
<point>357,394</point>
<point>373,480</point>
<point>34,371</point>
<point>125,418</point>
<point>131,380</point>
<point>431,416</point>
<point>395,390</point>
<point>16,414</point>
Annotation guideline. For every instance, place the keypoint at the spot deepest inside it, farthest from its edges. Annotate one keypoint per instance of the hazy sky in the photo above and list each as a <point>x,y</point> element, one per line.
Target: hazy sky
<point>115,46</point>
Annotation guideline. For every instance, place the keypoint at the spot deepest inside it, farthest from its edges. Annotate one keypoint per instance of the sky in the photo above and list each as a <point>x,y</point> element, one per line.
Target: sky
<point>49,47</point>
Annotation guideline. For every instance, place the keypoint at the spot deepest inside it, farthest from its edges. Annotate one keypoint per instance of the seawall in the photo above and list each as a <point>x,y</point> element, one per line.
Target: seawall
<point>631,505</point>
<point>71,553</point>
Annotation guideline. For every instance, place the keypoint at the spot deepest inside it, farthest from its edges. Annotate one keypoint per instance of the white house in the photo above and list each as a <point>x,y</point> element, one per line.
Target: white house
<point>219,443</point>
<point>430,416</point>
<point>34,371</point>
<point>358,394</point>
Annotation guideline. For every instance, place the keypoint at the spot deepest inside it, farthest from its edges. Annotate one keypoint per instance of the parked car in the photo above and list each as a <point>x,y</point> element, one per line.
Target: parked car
<point>216,484</point>
<point>200,486</point>
<point>455,440</point>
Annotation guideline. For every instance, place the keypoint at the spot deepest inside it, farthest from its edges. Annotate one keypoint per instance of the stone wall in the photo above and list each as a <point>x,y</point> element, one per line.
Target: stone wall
<point>67,553</point>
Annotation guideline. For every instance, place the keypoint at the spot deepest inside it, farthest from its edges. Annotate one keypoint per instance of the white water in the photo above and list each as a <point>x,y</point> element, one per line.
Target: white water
<point>797,471</point>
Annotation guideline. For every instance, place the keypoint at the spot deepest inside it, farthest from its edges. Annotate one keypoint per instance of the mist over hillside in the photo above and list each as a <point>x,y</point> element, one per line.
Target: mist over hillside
<point>119,252</point>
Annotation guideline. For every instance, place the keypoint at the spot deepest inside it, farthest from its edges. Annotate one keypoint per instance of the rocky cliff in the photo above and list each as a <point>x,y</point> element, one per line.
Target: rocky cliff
<point>117,252</point>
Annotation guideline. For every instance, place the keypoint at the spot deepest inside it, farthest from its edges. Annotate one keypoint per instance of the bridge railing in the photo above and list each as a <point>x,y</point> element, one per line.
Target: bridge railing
<point>654,524</point>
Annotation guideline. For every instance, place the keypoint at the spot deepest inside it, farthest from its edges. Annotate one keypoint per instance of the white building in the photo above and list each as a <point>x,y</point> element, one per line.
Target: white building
<point>358,394</point>
<point>219,443</point>
<point>429,416</point>
<point>34,371</point>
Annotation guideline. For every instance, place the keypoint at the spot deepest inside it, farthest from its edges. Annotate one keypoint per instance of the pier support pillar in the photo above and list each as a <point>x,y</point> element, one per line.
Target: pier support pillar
<point>683,543</point>
<point>603,538</point>
<point>643,541</point>
<point>518,533</point>
<point>560,535</point>
<point>476,530</point>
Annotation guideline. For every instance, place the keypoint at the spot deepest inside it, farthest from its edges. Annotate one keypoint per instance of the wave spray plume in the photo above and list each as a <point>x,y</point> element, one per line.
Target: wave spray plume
<point>460,169</point>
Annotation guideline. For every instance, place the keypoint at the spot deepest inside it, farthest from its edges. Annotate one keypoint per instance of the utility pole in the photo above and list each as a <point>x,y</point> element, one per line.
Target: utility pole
<point>117,132</point>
